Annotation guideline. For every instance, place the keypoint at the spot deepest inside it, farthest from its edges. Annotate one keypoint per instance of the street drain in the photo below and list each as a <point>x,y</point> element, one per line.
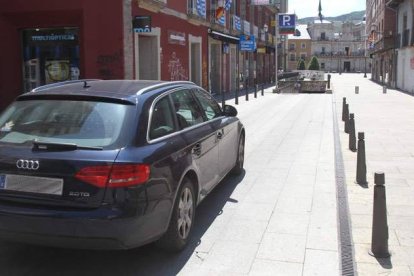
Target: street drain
<point>344,235</point>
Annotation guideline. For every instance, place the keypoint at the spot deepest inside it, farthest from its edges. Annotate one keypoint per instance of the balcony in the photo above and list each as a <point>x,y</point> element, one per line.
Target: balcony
<point>339,54</point>
<point>152,5</point>
<point>193,14</point>
<point>385,43</point>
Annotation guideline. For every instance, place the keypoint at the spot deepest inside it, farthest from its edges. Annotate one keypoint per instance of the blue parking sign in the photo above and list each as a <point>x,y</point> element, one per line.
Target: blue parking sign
<point>287,20</point>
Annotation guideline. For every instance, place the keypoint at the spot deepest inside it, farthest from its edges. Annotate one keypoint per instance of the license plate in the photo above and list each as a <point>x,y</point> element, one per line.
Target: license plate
<point>31,184</point>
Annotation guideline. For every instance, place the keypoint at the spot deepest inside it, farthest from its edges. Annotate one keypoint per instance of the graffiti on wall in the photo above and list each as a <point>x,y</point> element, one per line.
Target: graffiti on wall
<point>107,63</point>
<point>176,69</point>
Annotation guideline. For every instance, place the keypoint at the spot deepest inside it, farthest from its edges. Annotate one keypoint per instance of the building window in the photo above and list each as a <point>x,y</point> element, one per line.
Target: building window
<point>49,56</point>
<point>303,56</point>
<point>322,65</point>
<point>292,46</point>
<point>323,51</point>
<point>292,57</point>
<point>303,46</point>
<point>323,36</point>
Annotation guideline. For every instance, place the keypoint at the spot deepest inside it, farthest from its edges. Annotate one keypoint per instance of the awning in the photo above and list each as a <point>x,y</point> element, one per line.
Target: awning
<point>223,36</point>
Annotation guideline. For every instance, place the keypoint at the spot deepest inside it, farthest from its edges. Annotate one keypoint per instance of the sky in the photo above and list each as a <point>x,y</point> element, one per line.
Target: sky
<point>306,8</point>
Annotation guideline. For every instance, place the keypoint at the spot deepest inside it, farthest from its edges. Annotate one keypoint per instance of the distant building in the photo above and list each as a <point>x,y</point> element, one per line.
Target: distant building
<point>339,51</point>
<point>405,44</point>
<point>299,47</point>
<point>381,37</point>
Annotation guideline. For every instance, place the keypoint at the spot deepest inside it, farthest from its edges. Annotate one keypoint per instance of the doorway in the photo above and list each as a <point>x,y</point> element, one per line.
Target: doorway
<point>195,59</point>
<point>347,66</point>
<point>147,55</point>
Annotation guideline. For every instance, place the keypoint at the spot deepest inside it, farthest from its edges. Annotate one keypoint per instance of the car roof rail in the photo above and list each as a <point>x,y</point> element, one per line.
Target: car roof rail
<point>160,85</point>
<point>62,83</point>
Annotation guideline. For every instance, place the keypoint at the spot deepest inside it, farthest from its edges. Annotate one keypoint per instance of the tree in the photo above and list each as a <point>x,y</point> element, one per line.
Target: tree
<point>301,65</point>
<point>314,64</point>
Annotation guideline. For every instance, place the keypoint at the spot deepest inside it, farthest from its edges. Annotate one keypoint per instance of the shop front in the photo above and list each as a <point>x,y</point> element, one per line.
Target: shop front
<point>44,41</point>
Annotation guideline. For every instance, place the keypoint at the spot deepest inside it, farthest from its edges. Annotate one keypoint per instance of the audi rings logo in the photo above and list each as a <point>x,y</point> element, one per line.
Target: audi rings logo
<point>27,164</point>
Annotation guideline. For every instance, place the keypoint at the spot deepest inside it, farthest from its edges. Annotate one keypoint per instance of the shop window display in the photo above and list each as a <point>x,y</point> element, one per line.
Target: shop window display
<point>50,55</point>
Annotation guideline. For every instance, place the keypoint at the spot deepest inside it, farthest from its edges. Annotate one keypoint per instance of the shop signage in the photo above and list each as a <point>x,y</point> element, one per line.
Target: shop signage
<point>261,50</point>
<point>247,43</point>
<point>176,38</point>
<point>265,2</point>
<point>142,24</point>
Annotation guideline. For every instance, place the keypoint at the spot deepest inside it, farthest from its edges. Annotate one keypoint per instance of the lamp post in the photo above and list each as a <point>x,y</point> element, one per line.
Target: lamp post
<point>265,29</point>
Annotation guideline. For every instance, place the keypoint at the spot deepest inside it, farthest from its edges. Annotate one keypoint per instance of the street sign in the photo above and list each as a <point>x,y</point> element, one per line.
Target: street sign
<point>247,43</point>
<point>287,23</point>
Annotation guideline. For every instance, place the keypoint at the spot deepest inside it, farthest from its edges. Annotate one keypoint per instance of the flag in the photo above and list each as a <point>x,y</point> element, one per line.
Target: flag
<point>227,5</point>
<point>320,11</point>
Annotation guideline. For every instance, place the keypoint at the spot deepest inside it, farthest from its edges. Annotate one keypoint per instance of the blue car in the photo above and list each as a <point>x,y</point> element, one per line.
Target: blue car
<point>112,164</point>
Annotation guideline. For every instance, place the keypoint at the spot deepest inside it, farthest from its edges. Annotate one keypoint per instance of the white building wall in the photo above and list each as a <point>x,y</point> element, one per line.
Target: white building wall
<point>405,58</point>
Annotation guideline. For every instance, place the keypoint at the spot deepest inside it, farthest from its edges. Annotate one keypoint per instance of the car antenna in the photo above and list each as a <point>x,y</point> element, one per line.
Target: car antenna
<point>85,85</point>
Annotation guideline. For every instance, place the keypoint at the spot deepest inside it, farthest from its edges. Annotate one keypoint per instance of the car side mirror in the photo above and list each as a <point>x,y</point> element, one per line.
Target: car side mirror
<point>230,111</point>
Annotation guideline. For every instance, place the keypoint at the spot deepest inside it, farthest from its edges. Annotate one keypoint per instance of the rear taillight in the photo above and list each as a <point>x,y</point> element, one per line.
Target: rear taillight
<point>114,175</point>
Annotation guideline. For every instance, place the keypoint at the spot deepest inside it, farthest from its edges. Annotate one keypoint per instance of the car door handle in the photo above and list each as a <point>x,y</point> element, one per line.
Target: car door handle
<point>197,149</point>
<point>219,134</point>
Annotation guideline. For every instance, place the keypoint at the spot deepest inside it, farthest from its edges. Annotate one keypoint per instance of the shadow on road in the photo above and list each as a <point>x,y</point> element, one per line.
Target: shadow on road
<point>17,259</point>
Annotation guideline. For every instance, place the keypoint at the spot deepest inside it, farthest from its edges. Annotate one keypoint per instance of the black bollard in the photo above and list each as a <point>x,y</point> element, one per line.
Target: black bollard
<point>361,174</point>
<point>247,92</point>
<point>352,139</point>
<point>236,98</point>
<point>356,89</point>
<point>384,89</point>
<point>329,81</point>
<point>256,87</point>
<point>262,89</point>
<point>346,128</point>
<point>379,244</point>
<point>343,108</point>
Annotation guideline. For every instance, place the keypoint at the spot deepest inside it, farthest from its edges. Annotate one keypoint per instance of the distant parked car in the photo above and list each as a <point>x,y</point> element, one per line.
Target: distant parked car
<point>112,164</point>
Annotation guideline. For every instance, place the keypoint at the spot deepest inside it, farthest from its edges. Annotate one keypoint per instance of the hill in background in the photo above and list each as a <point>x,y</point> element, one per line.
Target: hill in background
<point>353,16</point>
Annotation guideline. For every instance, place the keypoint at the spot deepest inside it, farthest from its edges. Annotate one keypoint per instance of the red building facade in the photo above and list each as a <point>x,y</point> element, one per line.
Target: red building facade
<point>47,41</point>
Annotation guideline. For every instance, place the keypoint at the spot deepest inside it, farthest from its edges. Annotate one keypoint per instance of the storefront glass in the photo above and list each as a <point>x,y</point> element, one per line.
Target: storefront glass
<point>49,56</point>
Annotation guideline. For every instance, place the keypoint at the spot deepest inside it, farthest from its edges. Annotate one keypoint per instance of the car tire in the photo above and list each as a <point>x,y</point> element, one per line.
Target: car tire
<point>238,168</point>
<point>182,219</point>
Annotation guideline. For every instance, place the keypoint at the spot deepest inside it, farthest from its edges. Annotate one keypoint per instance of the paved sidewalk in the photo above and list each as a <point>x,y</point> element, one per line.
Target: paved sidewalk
<point>388,123</point>
<point>281,219</point>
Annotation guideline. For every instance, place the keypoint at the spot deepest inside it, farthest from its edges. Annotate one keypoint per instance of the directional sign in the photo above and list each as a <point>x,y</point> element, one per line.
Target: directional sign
<point>287,23</point>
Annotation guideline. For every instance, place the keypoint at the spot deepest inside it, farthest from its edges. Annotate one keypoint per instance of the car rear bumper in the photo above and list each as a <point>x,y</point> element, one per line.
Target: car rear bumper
<point>83,233</point>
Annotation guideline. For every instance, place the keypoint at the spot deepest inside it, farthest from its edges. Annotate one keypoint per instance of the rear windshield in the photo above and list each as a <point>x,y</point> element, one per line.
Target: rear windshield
<point>85,123</point>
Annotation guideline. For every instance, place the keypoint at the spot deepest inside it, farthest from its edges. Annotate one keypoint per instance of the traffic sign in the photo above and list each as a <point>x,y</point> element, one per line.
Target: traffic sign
<point>287,23</point>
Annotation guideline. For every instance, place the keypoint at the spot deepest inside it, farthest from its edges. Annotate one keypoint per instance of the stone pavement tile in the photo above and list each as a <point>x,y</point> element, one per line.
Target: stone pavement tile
<point>288,223</point>
<point>264,193</point>
<point>325,186</point>
<point>401,222</point>
<point>292,204</point>
<point>244,230</point>
<point>282,247</point>
<point>324,201</point>
<point>400,255</point>
<point>275,268</point>
<point>375,269</point>
<point>405,237</point>
<point>321,262</point>
<point>325,238</point>
<point>323,217</point>
<point>362,221</point>
<point>407,210</point>
<point>228,257</point>
<point>255,211</point>
<point>359,209</point>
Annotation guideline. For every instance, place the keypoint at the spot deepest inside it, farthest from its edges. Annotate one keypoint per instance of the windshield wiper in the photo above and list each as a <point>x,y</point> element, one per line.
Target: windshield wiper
<point>50,146</point>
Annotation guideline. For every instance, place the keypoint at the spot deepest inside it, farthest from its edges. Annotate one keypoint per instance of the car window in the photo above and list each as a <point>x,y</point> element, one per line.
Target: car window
<point>85,123</point>
<point>210,106</point>
<point>162,121</point>
<point>187,110</point>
